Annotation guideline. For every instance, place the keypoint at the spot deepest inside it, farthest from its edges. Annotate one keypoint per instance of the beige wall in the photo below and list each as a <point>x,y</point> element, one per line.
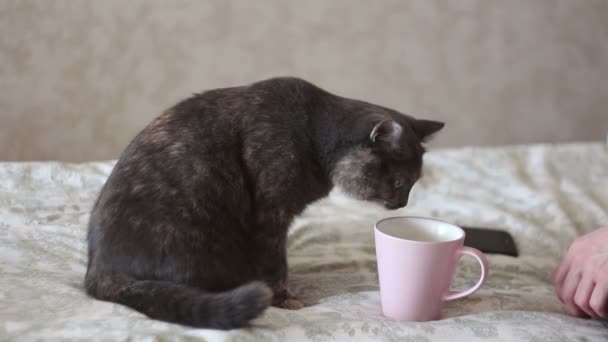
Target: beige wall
<point>79,78</point>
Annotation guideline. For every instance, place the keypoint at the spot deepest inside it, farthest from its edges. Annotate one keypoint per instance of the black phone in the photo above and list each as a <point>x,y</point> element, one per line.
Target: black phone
<point>490,241</point>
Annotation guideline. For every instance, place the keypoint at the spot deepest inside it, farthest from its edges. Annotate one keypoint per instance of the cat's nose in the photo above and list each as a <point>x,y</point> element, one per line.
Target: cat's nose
<point>400,203</point>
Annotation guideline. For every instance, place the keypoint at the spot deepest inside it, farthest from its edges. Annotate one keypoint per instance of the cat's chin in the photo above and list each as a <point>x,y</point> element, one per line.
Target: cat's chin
<point>382,203</point>
<point>338,193</point>
<point>389,206</point>
<point>378,203</point>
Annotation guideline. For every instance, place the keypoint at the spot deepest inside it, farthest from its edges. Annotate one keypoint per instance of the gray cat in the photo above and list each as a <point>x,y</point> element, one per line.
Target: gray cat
<point>191,225</point>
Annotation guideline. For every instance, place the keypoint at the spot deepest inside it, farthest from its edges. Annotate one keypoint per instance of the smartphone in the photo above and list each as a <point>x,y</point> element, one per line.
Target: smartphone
<point>490,241</point>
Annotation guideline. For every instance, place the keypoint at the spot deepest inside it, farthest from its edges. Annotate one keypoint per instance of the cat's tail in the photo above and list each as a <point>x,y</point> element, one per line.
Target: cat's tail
<point>176,303</point>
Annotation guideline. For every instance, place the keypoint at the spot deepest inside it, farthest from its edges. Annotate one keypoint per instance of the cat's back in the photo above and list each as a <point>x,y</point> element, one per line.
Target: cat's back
<point>210,130</point>
<point>215,116</point>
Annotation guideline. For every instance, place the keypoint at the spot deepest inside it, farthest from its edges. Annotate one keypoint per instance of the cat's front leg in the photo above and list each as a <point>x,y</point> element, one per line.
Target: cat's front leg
<point>276,276</point>
<point>272,263</point>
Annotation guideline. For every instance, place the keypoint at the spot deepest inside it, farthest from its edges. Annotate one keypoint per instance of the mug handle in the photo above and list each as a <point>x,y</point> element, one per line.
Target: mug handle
<point>483,262</point>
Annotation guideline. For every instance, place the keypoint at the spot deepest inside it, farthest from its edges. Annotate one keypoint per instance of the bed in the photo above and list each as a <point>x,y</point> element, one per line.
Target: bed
<point>545,195</point>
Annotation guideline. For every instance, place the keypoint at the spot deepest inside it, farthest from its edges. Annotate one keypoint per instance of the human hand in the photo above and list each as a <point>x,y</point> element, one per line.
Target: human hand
<point>581,279</point>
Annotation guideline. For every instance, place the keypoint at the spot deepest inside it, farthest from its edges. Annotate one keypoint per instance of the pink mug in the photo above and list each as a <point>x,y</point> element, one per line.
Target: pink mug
<point>416,260</point>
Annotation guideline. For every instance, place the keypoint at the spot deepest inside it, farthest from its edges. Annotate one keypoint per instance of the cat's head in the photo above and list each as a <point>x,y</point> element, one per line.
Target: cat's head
<point>385,167</point>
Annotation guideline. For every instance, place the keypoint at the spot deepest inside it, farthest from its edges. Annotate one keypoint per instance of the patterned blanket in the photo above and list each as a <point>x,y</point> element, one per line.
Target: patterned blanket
<point>545,195</point>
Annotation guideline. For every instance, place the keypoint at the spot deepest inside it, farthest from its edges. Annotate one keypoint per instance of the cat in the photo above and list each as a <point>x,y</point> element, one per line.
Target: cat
<point>191,225</point>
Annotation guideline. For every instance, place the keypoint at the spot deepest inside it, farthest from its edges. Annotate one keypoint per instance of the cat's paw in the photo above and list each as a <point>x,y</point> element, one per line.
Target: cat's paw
<point>290,304</point>
<point>285,299</point>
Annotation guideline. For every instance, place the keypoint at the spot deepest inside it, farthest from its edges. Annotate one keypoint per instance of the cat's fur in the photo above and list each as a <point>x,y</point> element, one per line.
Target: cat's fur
<point>191,225</point>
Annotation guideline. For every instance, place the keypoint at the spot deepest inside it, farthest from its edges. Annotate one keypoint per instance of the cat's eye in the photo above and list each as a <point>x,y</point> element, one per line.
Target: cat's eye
<point>398,183</point>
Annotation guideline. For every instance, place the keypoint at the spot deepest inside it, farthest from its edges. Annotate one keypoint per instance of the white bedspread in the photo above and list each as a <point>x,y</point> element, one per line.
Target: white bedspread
<point>544,195</point>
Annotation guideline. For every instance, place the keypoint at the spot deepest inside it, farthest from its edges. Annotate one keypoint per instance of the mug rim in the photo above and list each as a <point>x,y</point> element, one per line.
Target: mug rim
<point>462,236</point>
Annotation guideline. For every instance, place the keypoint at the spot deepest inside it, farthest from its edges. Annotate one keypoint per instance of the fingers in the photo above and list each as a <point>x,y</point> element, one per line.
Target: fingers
<point>598,301</point>
<point>583,295</point>
<point>568,291</point>
<point>560,274</point>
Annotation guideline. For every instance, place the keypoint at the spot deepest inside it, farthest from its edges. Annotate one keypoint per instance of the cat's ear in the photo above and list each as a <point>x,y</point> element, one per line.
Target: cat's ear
<point>387,133</point>
<point>425,129</point>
